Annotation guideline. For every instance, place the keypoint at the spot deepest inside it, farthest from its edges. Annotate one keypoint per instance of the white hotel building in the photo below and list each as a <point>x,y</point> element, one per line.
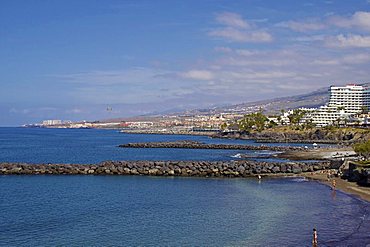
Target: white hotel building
<point>51,122</point>
<point>344,102</point>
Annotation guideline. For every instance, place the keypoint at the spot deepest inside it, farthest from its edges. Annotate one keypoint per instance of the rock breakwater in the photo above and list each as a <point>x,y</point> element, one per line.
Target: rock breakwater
<point>200,145</point>
<point>169,168</point>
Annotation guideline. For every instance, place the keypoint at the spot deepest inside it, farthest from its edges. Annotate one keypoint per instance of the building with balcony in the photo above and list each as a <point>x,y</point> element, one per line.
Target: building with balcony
<point>345,102</point>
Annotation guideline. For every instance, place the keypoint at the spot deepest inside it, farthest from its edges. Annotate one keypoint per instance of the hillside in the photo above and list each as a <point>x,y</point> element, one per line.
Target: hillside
<point>271,106</point>
<point>309,100</point>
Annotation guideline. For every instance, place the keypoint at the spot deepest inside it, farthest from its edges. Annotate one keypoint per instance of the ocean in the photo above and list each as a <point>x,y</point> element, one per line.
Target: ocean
<point>60,210</point>
<point>83,146</point>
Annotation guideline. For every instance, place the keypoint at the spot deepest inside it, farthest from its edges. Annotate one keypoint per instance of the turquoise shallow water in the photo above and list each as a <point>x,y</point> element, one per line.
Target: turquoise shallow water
<point>155,211</point>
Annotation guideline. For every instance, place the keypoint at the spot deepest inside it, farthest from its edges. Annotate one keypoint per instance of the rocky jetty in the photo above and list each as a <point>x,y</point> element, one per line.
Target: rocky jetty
<point>201,145</point>
<point>169,168</point>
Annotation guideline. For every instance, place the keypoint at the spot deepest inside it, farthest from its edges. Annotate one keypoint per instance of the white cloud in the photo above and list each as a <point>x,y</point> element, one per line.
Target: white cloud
<point>45,109</point>
<point>232,20</point>
<point>198,75</point>
<point>326,62</point>
<point>19,111</point>
<point>249,73</point>
<point>223,49</point>
<point>244,52</point>
<point>356,58</point>
<point>236,29</point>
<point>236,35</point>
<point>128,77</point>
<point>303,26</point>
<point>133,85</point>
<point>311,38</point>
<point>348,41</point>
<point>360,19</point>
<point>74,111</point>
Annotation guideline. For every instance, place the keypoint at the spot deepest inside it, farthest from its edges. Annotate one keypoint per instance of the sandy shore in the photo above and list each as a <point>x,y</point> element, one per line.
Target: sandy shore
<point>341,184</point>
<point>319,154</point>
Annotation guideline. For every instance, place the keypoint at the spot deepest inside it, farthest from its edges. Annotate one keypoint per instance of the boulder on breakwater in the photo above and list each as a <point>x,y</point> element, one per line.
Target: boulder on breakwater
<point>201,145</point>
<point>168,168</point>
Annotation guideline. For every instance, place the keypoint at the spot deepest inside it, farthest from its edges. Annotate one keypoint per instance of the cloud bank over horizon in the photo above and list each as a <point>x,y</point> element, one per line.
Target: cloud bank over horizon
<point>145,57</point>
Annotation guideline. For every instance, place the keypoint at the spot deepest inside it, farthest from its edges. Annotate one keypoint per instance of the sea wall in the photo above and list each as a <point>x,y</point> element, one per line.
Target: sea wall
<point>200,145</point>
<point>168,168</point>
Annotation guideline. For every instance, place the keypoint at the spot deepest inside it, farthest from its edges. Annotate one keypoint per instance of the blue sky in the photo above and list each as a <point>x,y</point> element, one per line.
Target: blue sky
<point>72,59</point>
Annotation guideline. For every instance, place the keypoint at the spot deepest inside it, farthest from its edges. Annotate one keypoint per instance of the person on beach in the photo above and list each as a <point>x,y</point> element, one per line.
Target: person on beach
<point>333,184</point>
<point>314,238</point>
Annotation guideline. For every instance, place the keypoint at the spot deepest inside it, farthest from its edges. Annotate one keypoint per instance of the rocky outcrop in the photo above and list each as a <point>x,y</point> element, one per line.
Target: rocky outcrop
<point>357,173</point>
<point>318,135</point>
<point>168,168</point>
<point>200,145</point>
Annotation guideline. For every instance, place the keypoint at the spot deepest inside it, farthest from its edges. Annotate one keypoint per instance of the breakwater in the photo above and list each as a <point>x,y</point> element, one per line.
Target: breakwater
<point>200,145</point>
<point>169,168</point>
<point>169,132</point>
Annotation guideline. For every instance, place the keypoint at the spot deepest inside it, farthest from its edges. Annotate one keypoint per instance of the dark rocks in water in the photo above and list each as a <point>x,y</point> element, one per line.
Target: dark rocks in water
<point>358,173</point>
<point>318,135</point>
<point>242,168</point>
<point>200,145</point>
<point>276,169</point>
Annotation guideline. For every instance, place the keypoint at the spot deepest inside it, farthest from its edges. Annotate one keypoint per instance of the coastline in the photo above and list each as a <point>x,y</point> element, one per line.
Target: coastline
<point>345,186</point>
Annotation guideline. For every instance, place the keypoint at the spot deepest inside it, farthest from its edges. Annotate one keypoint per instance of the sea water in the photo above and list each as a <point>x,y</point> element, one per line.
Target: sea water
<point>37,145</point>
<point>155,211</point>
<point>57,210</point>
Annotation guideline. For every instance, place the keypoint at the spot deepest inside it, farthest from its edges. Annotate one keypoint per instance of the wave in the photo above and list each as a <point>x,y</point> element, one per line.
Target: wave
<point>239,156</point>
<point>299,180</point>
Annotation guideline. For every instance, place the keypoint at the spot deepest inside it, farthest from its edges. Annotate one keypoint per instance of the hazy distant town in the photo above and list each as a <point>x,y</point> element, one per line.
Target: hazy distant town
<point>347,106</point>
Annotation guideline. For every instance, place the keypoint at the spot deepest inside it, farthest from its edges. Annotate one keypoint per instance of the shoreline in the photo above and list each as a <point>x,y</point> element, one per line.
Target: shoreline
<point>350,188</point>
<point>219,135</point>
<point>325,153</point>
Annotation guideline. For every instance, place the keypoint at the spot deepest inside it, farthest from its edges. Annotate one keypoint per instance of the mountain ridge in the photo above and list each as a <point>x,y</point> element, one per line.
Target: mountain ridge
<point>269,106</point>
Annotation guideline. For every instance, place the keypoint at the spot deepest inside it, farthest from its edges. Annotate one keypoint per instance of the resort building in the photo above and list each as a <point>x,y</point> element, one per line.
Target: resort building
<point>344,103</point>
<point>51,122</point>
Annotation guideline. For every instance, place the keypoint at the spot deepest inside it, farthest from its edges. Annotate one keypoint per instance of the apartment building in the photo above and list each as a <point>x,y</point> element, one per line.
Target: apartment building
<point>345,101</point>
<point>352,98</point>
<point>51,122</point>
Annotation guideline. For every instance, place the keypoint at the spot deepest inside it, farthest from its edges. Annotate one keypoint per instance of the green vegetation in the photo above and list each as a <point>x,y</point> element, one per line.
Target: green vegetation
<point>341,108</point>
<point>256,121</point>
<point>223,126</point>
<point>363,149</point>
<point>299,128</point>
<point>296,116</point>
<point>364,110</point>
<point>364,163</point>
